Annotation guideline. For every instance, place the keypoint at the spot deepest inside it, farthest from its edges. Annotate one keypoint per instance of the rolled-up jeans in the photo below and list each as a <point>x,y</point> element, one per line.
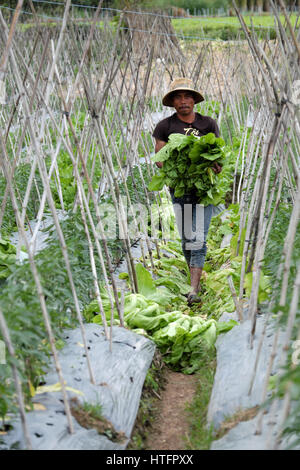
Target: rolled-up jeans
<point>193,222</point>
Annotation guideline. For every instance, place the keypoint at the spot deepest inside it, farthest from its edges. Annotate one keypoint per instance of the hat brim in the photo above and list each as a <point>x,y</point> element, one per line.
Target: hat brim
<point>168,100</point>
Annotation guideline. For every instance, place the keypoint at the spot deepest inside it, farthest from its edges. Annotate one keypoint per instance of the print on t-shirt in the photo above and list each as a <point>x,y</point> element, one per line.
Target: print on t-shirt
<point>202,125</point>
<point>191,130</point>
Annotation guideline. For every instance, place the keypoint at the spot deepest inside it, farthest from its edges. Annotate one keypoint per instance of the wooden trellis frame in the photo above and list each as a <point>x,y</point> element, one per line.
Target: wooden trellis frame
<point>56,78</point>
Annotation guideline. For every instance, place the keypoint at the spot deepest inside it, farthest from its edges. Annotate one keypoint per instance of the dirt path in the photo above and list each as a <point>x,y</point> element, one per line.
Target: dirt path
<point>171,425</point>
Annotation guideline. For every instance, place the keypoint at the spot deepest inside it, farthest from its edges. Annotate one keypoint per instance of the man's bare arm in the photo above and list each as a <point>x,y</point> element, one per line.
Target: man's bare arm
<point>159,144</point>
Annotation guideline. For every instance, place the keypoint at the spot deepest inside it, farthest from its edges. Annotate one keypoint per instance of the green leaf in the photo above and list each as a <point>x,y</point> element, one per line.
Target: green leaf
<point>209,138</point>
<point>211,156</point>
<point>162,155</point>
<point>222,327</point>
<point>157,183</point>
<point>124,276</point>
<point>179,141</point>
<point>174,284</point>
<point>220,142</point>
<point>179,192</point>
<point>145,282</point>
<point>264,286</point>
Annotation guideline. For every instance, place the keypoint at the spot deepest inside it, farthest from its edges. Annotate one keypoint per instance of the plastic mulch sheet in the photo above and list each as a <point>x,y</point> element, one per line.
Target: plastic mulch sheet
<point>119,377</point>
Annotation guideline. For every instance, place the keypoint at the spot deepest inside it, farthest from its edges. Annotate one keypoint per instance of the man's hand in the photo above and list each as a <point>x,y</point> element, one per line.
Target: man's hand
<point>217,168</point>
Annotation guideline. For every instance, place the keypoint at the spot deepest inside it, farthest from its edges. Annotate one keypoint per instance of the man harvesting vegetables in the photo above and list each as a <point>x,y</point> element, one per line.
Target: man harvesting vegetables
<point>190,165</point>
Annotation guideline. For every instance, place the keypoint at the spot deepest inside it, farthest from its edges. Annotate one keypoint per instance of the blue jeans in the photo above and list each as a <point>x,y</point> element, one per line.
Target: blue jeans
<point>193,222</point>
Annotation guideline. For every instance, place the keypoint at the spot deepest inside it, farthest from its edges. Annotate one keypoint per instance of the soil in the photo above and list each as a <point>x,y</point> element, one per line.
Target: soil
<point>238,417</point>
<point>170,427</point>
<point>101,424</point>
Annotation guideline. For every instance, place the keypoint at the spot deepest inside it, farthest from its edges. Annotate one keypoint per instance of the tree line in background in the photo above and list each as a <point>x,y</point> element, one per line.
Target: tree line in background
<point>258,6</point>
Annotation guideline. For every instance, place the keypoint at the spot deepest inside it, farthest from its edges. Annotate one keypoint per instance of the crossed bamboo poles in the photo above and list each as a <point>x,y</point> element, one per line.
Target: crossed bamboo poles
<point>111,77</point>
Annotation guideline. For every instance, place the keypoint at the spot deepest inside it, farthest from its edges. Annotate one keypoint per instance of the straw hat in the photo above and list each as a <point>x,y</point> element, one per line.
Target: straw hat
<point>181,84</point>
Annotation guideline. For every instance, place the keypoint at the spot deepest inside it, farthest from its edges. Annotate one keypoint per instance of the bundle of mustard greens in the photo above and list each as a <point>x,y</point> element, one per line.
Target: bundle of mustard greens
<point>188,167</point>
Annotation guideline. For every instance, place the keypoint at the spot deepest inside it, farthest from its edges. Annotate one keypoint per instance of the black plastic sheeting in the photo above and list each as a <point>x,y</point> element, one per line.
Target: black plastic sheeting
<point>119,377</point>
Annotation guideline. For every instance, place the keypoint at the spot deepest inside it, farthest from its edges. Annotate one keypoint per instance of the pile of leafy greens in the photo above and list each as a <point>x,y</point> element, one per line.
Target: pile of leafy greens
<point>159,311</point>
<point>188,167</point>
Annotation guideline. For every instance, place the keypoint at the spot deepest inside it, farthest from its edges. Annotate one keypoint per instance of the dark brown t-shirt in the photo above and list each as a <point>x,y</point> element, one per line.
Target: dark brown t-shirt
<point>172,125</point>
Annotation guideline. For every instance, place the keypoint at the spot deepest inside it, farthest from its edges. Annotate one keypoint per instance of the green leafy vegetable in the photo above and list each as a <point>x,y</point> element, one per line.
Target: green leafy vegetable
<point>157,310</point>
<point>7,258</point>
<point>187,167</point>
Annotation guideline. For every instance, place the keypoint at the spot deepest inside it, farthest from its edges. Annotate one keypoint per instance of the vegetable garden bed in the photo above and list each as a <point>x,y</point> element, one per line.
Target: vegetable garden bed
<point>76,120</point>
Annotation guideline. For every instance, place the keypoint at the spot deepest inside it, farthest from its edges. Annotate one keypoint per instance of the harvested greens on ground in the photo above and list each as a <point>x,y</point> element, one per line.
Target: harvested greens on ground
<point>188,167</point>
<point>159,311</point>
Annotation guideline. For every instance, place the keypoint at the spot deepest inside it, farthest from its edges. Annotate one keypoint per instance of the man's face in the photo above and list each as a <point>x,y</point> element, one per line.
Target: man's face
<point>183,102</point>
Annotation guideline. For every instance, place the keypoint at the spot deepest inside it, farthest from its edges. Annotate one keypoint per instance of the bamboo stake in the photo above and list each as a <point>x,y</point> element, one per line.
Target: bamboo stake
<point>235,299</point>
<point>39,289</point>
<point>5,53</point>
<point>95,234</point>
<point>286,255</point>
<point>43,174</point>
<point>296,44</point>
<point>116,197</point>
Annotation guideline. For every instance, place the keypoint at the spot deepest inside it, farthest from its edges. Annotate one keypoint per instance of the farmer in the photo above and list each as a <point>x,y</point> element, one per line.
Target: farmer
<point>192,219</point>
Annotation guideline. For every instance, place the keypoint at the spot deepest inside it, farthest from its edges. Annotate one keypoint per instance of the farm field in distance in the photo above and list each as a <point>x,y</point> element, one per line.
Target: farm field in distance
<point>215,25</point>
<point>221,27</point>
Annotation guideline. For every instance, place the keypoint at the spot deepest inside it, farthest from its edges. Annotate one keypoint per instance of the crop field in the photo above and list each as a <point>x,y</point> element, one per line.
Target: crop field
<point>227,27</point>
<point>256,20</point>
<point>88,238</point>
<point>193,28</point>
